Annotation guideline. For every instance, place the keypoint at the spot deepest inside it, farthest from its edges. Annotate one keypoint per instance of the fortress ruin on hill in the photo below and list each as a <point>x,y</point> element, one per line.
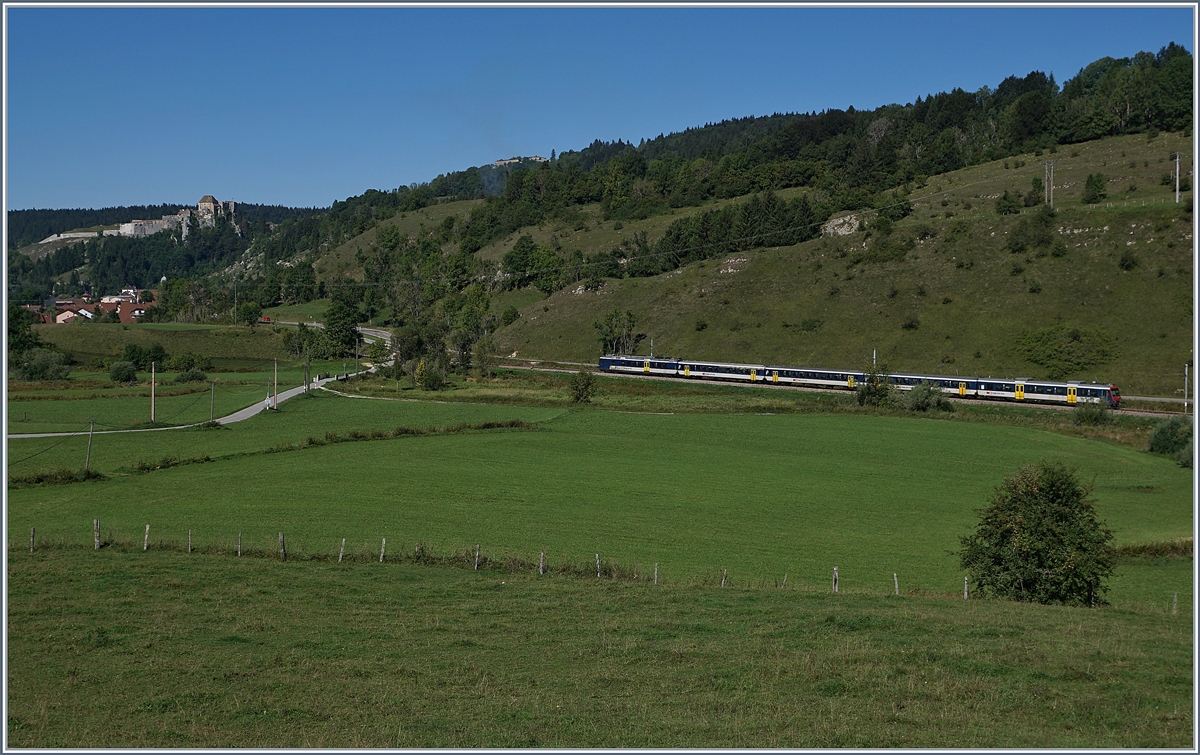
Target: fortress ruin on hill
<point>208,209</point>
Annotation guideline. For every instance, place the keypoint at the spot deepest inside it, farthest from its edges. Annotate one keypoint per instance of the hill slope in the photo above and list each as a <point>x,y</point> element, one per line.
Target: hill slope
<point>965,297</point>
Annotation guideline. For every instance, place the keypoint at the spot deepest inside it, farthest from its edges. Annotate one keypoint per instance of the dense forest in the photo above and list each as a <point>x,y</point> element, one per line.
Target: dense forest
<point>435,288</point>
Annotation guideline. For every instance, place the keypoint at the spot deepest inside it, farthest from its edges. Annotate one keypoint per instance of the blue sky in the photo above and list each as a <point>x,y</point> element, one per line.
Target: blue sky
<point>304,106</point>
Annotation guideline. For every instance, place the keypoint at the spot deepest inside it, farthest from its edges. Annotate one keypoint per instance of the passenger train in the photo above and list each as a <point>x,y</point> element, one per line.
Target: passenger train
<point>1069,393</point>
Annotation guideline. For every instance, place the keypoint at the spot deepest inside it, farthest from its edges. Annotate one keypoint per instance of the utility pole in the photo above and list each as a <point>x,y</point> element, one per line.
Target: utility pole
<point>233,317</point>
<point>275,399</point>
<point>152,391</point>
<point>356,353</point>
<point>212,401</point>
<point>1048,190</point>
<point>1176,178</point>
<point>1185,388</point>
<point>88,461</point>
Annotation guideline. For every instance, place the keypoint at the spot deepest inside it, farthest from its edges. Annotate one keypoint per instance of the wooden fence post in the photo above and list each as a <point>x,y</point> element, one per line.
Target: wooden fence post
<point>835,579</point>
<point>239,543</point>
<point>723,573</point>
<point>597,565</point>
<point>96,527</point>
<point>784,585</point>
<point>146,539</point>
<point>282,548</point>
<point>476,556</point>
<point>342,552</point>
<point>189,541</point>
<point>1175,604</point>
<point>656,572</point>
<point>965,594</point>
<point>896,581</point>
<point>542,563</point>
<point>31,539</point>
<point>382,547</point>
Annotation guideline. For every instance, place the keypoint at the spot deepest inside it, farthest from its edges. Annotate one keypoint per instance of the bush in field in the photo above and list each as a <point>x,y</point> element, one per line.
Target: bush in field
<point>926,396</point>
<point>43,364</point>
<point>185,362</point>
<point>1172,436</point>
<point>191,376</point>
<point>1087,413</point>
<point>123,372</point>
<point>875,388</point>
<point>583,386</point>
<point>429,376</point>
<point>1039,540</point>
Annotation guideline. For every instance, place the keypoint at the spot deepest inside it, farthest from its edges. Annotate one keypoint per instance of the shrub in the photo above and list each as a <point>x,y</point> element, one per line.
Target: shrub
<point>1128,260</point>
<point>511,315</point>
<point>429,376</point>
<point>926,396</point>
<point>1091,414</point>
<point>191,376</point>
<point>1039,540</point>
<point>1171,436</point>
<point>583,386</point>
<point>875,389</point>
<point>1009,204</point>
<point>123,371</point>
<point>1184,457</point>
<point>43,364</point>
<point>1094,189</point>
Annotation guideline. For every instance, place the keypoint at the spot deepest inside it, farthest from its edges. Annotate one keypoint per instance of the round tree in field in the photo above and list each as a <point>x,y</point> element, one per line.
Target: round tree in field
<point>1039,540</point>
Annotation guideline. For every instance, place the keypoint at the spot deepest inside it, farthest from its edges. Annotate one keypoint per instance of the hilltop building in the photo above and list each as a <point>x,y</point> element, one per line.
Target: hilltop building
<point>516,160</point>
<point>207,211</point>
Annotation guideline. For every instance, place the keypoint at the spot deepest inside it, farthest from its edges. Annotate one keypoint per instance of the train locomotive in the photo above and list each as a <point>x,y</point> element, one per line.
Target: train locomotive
<point>1069,393</point>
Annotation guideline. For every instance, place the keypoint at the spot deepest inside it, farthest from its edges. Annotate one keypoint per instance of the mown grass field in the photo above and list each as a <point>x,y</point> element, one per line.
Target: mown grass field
<point>161,649</point>
<point>125,648</point>
<point>758,494</point>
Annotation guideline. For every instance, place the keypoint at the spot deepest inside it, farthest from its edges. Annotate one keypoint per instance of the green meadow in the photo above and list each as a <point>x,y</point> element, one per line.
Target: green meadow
<point>163,649</point>
<point>756,495</point>
<point>717,512</point>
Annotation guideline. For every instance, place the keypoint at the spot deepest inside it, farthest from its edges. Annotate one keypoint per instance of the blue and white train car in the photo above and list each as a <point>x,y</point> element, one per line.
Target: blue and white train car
<point>812,376</point>
<point>963,387</point>
<point>701,370</point>
<point>640,365</point>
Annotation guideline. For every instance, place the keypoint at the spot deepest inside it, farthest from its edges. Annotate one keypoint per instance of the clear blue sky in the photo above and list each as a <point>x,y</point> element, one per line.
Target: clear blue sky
<point>303,106</point>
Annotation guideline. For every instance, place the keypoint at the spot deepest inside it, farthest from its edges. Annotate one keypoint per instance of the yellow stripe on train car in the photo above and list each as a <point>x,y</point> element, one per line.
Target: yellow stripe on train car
<point>647,367</point>
<point>962,389</point>
<point>774,376</point>
<point>687,370</point>
<point>753,374</point>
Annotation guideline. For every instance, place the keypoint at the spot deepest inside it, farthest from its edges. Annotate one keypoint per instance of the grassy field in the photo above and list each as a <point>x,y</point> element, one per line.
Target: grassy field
<point>313,311</point>
<point>68,405</point>
<point>161,649</point>
<point>86,340</point>
<point>694,483</point>
<point>758,494</point>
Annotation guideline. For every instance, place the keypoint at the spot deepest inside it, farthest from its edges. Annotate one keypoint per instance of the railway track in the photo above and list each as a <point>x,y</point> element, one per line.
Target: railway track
<point>536,366</point>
